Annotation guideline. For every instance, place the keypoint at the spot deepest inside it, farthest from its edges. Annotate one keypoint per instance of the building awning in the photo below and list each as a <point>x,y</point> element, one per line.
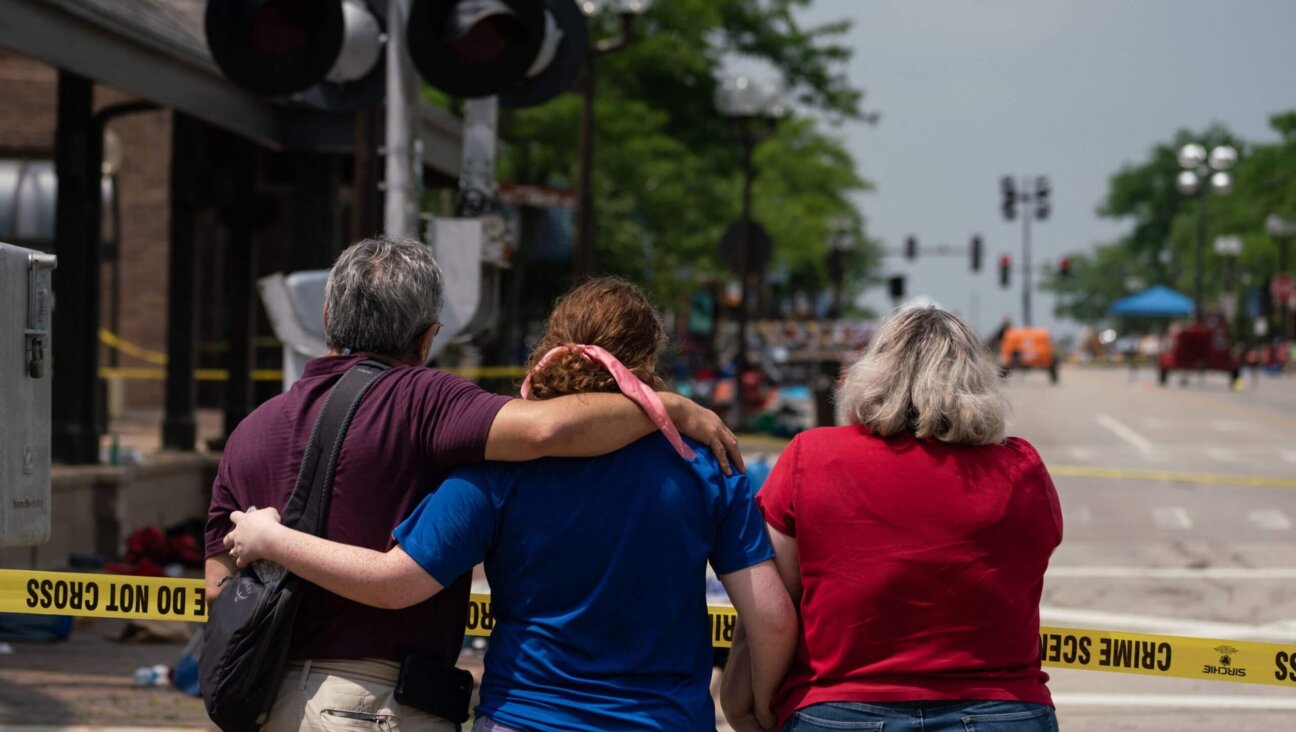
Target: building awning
<point>156,49</point>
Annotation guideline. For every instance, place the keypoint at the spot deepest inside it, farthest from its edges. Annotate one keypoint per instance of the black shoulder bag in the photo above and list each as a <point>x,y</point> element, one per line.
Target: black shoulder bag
<point>249,628</point>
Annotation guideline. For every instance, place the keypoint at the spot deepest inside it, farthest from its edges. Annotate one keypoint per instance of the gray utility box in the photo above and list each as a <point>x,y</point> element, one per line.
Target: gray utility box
<point>26,303</point>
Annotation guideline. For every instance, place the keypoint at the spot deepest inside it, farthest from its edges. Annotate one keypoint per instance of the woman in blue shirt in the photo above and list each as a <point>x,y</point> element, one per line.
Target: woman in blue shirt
<point>597,565</point>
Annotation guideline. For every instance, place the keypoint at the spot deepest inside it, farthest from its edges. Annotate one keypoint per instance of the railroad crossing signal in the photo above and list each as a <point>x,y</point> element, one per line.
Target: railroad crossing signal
<point>1005,270</point>
<point>977,251</point>
<point>327,52</point>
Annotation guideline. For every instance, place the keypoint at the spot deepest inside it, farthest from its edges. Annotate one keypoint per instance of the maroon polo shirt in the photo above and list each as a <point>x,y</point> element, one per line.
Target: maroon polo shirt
<point>414,427</point>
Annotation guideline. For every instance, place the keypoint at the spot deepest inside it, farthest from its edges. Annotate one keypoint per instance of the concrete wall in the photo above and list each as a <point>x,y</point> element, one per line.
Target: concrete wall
<point>94,508</point>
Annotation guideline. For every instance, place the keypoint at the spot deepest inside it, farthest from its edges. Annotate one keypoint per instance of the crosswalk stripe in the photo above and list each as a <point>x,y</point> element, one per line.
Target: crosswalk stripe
<point>1172,517</point>
<point>1222,454</point>
<point>1288,455</point>
<point>1270,519</point>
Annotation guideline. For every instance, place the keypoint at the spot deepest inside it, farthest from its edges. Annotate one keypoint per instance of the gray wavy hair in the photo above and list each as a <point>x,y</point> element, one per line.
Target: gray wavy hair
<point>926,373</point>
<point>381,297</point>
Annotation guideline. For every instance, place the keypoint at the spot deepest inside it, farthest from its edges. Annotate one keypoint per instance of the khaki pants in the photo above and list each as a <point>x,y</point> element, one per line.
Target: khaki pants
<point>346,696</point>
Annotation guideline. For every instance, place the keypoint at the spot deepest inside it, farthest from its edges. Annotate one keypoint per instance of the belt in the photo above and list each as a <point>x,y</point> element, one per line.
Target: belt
<point>377,670</point>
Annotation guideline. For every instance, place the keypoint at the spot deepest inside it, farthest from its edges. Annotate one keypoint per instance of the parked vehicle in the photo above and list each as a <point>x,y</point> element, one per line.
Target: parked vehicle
<point>1028,348</point>
<point>1200,346</point>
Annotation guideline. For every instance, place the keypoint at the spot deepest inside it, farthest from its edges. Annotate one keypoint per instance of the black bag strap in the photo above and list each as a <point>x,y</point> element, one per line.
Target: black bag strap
<point>308,506</point>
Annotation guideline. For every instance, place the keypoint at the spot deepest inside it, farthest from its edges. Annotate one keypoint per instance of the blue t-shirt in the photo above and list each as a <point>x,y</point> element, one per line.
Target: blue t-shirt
<point>597,569</point>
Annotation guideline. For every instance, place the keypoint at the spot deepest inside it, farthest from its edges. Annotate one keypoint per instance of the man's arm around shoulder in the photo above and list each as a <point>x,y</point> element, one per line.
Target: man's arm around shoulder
<point>585,425</point>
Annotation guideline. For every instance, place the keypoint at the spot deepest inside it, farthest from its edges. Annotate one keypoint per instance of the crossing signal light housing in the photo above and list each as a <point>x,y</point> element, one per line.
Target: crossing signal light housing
<point>524,51</point>
<point>896,285</point>
<point>1005,269</point>
<point>1064,267</point>
<point>1009,204</point>
<point>292,47</point>
<point>911,248</point>
<point>977,251</point>
<point>1042,204</point>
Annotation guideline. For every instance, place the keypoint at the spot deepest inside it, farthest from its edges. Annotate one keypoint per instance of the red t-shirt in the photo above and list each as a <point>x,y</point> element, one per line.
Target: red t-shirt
<point>414,426</point>
<point>922,565</point>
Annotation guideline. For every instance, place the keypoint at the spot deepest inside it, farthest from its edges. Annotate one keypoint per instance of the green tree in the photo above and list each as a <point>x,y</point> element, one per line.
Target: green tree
<point>667,179</point>
<point>1160,247</point>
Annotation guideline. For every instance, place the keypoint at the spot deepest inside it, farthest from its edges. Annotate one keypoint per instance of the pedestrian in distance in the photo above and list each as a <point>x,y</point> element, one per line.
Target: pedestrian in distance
<point>915,542</point>
<point>415,426</point>
<point>597,566</point>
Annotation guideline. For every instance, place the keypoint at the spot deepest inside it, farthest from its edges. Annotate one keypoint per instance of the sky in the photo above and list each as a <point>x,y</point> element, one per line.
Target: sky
<point>973,90</point>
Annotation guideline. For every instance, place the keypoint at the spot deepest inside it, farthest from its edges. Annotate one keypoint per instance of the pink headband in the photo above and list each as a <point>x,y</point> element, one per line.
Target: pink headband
<point>630,385</point>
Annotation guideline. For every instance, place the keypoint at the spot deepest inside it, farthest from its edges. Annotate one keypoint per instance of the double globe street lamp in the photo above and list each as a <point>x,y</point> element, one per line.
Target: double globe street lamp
<point>755,109</point>
<point>1201,174</point>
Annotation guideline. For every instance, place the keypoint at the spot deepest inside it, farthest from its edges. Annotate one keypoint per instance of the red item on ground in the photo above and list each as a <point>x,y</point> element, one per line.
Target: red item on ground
<point>922,565</point>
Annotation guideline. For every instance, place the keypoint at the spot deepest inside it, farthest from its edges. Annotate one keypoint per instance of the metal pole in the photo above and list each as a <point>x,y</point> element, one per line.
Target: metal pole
<point>75,346</point>
<point>1284,309</point>
<point>744,272</point>
<point>1027,214</point>
<point>1201,248</point>
<point>583,256</point>
<point>477,187</point>
<point>179,426</point>
<point>399,205</point>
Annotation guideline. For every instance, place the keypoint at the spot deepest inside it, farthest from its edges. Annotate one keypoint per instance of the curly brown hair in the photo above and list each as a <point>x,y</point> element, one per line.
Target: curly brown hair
<point>608,312</point>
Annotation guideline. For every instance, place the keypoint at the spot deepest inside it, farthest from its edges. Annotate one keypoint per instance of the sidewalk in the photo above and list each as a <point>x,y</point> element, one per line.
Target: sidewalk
<point>89,680</point>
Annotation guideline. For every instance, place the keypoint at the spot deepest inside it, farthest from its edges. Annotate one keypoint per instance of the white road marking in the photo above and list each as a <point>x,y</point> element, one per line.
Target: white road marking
<point>1081,516</point>
<point>1174,573</point>
<point>1076,618</point>
<point>1082,454</point>
<point>1172,517</point>
<point>1174,701</point>
<point>1288,455</point>
<point>1229,425</point>
<point>1222,454</point>
<point>1270,519</point>
<point>1140,443</point>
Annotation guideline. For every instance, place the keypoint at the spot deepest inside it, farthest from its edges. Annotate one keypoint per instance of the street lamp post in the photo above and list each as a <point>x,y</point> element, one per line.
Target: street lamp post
<point>840,242</point>
<point>1202,173</point>
<point>628,11</point>
<point>755,111</point>
<point>1282,231</point>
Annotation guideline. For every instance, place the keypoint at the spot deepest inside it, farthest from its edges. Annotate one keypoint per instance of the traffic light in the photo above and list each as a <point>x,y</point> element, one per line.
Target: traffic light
<point>911,248</point>
<point>525,51</point>
<point>896,285</point>
<point>1064,267</point>
<point>324,50</point>
<point>1009,205</point>
<point>977,251</point>
<point>1005,269</point>
<point>1042,205</point>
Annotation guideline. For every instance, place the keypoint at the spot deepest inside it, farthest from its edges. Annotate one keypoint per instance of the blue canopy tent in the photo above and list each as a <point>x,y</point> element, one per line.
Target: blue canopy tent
<point>1155,302</point>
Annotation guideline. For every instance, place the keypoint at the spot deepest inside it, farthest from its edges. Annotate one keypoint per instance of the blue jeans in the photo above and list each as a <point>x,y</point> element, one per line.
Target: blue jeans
<point>926,716</point>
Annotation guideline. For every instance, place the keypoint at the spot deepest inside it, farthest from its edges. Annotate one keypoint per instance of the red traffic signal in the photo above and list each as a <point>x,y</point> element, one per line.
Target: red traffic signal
<point>1005,268</point>
<point>1064,267</point>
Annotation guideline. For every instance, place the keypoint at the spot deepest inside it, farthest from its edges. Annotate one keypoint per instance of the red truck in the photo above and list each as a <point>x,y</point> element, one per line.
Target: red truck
<point>1200,346</point>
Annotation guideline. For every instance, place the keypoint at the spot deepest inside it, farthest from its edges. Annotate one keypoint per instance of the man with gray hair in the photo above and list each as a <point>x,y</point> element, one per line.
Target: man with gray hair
<point>417,424</point>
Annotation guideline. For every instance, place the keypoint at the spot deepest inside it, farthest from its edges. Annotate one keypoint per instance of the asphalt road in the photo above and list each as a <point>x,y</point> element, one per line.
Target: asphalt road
<point>1180,512</point>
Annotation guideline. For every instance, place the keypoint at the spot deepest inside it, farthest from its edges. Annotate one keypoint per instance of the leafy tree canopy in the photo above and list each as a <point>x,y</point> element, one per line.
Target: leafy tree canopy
<point>667,175</point>
<point>1161,246</point>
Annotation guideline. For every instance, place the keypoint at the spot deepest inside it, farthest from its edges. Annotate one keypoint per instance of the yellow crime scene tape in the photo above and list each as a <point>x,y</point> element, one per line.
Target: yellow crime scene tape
<point>163,598</point>
<point>112,340</point>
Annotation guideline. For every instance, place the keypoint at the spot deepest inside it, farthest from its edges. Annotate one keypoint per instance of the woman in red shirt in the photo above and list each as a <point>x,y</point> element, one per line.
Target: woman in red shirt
<point>915,543</point>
